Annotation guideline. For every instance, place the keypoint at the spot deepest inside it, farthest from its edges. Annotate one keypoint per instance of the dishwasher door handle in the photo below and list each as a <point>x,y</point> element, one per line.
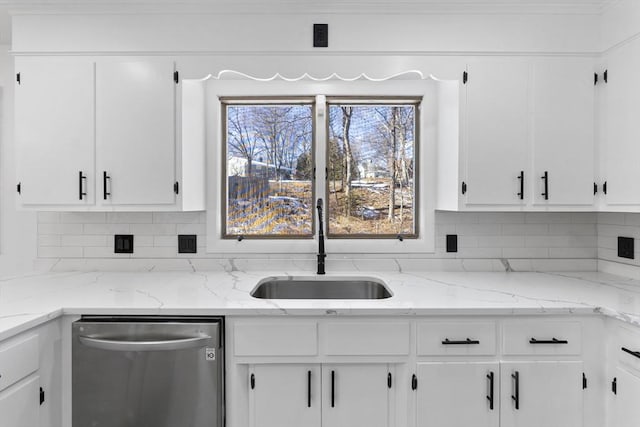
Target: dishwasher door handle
<point>164,345</point>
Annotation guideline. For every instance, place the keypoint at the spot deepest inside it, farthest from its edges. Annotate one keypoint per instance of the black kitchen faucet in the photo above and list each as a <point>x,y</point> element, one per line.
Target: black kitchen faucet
<point>321,254</point>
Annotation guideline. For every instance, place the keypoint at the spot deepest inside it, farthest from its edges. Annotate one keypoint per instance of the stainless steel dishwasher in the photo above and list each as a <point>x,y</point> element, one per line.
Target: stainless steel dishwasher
<point>148,372</point>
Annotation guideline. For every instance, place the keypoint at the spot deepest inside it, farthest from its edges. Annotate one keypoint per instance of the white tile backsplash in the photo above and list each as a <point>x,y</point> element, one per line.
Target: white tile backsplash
<point>610,226</point>
<point>484,238</point>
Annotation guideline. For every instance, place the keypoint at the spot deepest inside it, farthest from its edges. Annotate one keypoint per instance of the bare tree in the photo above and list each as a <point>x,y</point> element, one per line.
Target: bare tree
<point>240,138</point>
<point>347,112</point>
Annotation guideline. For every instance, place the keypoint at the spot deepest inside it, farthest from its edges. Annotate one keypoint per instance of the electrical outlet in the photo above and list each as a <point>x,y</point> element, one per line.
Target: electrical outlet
<point>626,247</point>
<point>187,244</point>
<point>320,35</point>
<point>123,244</point>
<point>452,243</point>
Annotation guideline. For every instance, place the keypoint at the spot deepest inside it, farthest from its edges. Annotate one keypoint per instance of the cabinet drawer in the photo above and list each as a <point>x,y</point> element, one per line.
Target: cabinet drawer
<point>629,340</point>
<point>295,338</point>
<point>19,404</point>
<point>366,338</point>
<point>18,358</point>
<point>543,338</point>
<point>456,338</point>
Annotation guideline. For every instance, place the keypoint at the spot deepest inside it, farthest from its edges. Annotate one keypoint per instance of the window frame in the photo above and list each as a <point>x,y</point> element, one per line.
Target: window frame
<point>238,86</point>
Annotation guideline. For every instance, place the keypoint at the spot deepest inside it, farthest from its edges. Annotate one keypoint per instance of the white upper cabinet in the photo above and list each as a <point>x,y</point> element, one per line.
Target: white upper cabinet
<point>620,149</point>
<point>563,132</point>
<point>135,131</point>
<point>526,136</point>
<point>496,132</point>
<point>109,135</point>
<point>54,131</point>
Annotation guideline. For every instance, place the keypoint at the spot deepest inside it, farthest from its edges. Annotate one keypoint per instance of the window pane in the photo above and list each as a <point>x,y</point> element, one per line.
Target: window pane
<point>372,170</point>
<point>269,170</point>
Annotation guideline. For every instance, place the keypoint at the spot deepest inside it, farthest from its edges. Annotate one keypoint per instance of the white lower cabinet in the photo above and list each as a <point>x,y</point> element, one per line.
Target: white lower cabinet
<point>285,396</point>
<point>445,387</point>
<point>356,395</point>
<point>19,404</point>
<point>541,394</point>
<point>314,395</point>
<point>626,410</point>
<point>434,372</point>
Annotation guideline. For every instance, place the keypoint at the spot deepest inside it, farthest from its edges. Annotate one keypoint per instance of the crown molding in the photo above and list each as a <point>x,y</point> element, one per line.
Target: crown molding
<point>331,7</point>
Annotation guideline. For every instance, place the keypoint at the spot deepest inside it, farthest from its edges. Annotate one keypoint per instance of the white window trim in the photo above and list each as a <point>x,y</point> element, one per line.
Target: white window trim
<point>234,84</point>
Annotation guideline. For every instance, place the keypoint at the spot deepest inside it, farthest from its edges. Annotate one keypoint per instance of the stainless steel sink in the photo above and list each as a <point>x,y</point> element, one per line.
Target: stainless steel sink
<point>320,288</point>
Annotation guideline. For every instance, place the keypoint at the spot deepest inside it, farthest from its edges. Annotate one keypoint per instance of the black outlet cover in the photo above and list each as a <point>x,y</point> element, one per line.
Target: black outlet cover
<point>187,244</point>
<point>320,35</point>
<point>626,247</point>
<point>452,243</point>
<point>123,244</point>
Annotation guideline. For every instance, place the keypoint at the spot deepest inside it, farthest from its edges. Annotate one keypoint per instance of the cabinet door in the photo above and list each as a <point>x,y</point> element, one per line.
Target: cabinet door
<point>563,132</point>
<point>355,395</point>
<point>19,404</point>
<point>54,131</point>
<point>622,133</point>
<point>135,131</point>
<point>496,132</point>
<point>626,408</point>
<point>443,387</point>
<point>285,396</point>
<point>541,394</point>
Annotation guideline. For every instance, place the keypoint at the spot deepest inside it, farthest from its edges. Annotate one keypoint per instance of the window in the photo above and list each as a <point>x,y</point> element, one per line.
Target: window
<point>269,160</point>
<point>372,168</point>
<point>276,146</point>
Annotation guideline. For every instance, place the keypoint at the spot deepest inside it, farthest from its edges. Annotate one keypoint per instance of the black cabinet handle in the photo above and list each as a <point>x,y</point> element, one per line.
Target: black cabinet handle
<point>614,386</point>
<point>631,352</point>
<point>595,188</point>
<point>333,389</point>
<point>490,397</point>
<point>389,380</point>
<point>521,178</point>
<point>414,382</point>
<point>465,342</point>
<point>545,177</point>
<point>551,341</point>
<point>253,381</point>
<point>105,177</point>
<point>604,187</point>
<point>81,178</point>
<point>308,389</point>
<point>516,389</point>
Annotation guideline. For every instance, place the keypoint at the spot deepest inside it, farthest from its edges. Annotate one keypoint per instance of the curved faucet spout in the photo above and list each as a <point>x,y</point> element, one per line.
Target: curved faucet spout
<point>321,254</point>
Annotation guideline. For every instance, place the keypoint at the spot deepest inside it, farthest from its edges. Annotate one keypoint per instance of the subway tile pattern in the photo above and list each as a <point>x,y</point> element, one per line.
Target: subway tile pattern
<point>613,225</point>
<point>483,236</point>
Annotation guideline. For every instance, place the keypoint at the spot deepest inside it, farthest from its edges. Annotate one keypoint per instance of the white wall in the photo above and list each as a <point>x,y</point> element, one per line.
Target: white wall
<point>269,33</point>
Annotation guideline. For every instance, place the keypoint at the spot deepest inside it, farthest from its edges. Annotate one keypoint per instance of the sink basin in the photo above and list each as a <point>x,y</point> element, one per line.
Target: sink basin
<point>320,288</point>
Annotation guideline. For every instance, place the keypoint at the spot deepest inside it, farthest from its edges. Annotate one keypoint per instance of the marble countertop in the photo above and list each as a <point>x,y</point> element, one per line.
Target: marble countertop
<point>31,299</point>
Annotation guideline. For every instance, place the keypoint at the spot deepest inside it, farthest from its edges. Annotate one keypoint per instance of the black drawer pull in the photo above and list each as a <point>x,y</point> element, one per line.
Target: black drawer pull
<point>467,341</point>
<point>545,178</point>
<point>551,341</point>
<point>81,180</point>
<point>516,389</point>
<point>308,389</point>
<point>490,397</point>
<point>333,389</point>
<point>631,352</point>
<point>414,382</point>
<point>253,381</point>
<point>389,381</point>
<point>521,178</point>
<point>105,177</point>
